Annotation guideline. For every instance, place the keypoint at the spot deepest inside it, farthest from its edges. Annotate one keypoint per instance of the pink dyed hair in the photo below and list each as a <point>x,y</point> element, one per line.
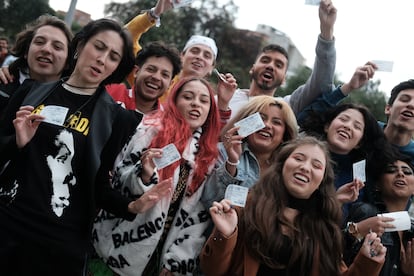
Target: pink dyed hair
<point>175,129</point>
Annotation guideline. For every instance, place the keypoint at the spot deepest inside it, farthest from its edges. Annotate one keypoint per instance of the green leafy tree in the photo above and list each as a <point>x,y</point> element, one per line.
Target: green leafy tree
<point>368,95</point>
<point>237,48</point>
<point>292,82</point>
<point>371,97</point>
<point>15,14</point>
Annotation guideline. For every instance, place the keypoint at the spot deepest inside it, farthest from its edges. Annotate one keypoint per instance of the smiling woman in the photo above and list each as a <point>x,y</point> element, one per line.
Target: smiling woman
<point>167,196</point>
<point>243,160</point>
<point>289,223</point>
<point>352,134</point>
<point>59,140</point>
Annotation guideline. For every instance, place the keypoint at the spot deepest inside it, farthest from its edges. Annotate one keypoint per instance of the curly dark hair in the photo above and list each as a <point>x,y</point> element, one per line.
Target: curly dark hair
<point>160,49</point>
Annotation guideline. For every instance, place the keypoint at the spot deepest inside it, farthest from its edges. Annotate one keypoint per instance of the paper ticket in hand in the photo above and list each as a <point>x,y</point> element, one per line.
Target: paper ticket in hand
<point>236,194</point>
<point>312,2</point>
<point>54,114</point>
<point>170,155</point>
<point>181,3</point>
<point>384,65</point>
<point>359,170</point>
<point>401,221</point>
<point>250,124</point>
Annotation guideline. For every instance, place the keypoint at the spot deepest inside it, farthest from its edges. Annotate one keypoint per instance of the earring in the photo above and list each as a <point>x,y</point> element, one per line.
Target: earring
<point>75,56</point>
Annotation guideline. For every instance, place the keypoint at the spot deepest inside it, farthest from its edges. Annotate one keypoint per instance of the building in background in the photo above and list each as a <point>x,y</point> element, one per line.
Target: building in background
<point>80,18</point>
<point>274,36</point>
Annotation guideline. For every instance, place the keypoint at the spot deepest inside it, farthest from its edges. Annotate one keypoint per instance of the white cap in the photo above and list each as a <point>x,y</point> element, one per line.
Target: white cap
<point>203,40</point>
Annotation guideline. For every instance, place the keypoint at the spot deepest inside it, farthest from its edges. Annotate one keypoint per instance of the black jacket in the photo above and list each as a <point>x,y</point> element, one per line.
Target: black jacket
<point>390,240</point>
<point>111,127</point>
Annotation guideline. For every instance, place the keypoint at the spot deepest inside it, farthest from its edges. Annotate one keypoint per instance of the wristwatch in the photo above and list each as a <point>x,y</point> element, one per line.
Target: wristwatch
<point>157,19</point>
<point>352,228</point>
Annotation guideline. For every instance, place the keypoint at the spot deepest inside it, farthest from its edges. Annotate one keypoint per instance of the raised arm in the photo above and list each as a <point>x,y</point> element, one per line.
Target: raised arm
<point>323,72</point>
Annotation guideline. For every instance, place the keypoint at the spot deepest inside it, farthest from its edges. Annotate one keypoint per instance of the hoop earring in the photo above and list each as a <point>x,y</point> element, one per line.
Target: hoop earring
<point>75,56</point>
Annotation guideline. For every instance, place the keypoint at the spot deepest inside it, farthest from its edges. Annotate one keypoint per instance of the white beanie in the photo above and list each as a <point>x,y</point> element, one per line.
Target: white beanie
<point>203,40</point>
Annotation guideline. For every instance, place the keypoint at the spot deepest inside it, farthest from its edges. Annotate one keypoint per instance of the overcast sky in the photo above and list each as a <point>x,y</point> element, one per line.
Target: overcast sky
<point>364,30</point>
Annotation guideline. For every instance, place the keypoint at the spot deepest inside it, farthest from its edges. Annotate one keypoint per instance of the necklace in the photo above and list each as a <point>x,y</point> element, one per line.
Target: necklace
<point>78,89</point>
<point>79,92</point>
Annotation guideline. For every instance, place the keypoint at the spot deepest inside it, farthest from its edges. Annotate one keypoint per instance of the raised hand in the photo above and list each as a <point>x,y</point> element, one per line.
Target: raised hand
<point>327,18</point>
<point>151,197</point>
<point>26,125</point>
<point>224,217</point>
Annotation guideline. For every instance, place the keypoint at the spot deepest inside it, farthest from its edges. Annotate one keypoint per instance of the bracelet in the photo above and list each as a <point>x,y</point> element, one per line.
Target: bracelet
<point>233,164</point>
<point>155,17</point>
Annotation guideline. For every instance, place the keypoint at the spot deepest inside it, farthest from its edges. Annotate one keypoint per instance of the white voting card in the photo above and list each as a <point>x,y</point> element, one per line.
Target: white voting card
<point>384,65</point>
<point>170,155</point>
<point>236,194</point>
<point>250,124</point>
<point>181,3</point>
<point>401,221</point>
<point>359,170</point>
<point>54,114</point>
<point>312,2</point>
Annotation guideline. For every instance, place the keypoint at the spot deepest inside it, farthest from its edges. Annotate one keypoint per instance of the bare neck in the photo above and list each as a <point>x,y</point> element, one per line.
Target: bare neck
<point>398,136</point>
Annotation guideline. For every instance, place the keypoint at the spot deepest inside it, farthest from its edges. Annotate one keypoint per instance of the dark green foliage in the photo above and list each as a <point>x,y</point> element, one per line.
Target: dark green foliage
<point>371,98</point>
<point>15,14</point>
<point>237,48</point>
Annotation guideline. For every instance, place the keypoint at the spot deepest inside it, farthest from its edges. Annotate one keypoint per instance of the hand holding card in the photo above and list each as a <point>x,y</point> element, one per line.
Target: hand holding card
<point>170,155</point>
<point>250,124</point>
<point>359,170</point>
<point>236,194</point>
<point>384,65</point>
<point>401,221</point>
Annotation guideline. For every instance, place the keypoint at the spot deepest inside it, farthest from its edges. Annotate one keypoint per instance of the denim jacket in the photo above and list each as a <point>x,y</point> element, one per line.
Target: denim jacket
<point>248,172</point>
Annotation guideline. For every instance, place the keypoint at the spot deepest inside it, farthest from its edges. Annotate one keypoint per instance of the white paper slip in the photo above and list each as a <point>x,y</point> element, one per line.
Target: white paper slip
<point>250,124</point>
<point>54,114</point>
<point>236,194</point>
<point>170,155</point>
<point>181,3</point>
<point>312,2</point>
<point>359,170</point>
<point>401,221</point>
<point>384,65</point>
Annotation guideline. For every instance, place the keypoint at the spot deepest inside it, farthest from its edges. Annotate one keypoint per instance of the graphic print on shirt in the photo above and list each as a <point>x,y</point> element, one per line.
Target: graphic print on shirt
<point>60,167</point>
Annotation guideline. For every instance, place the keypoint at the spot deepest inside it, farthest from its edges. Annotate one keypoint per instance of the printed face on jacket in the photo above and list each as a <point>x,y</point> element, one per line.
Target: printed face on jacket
<point>60,166</point>
<point>193,102</point>
<point>345,131</point>
<point>303,170</point>
<point>47,54</point>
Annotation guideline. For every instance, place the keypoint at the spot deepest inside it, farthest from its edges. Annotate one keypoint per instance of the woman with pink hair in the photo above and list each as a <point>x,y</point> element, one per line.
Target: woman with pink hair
<point>167,234</point>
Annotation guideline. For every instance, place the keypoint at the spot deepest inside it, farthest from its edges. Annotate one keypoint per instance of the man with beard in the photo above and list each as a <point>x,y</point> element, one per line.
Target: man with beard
<point>155,67</point>
<point>269,70</point>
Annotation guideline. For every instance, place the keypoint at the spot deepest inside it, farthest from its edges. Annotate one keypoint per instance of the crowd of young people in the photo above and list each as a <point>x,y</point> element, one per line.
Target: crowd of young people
<point>135,175</point>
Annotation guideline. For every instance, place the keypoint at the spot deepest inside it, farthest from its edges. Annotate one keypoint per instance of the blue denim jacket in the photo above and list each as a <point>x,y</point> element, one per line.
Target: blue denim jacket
<point>248,172</point>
